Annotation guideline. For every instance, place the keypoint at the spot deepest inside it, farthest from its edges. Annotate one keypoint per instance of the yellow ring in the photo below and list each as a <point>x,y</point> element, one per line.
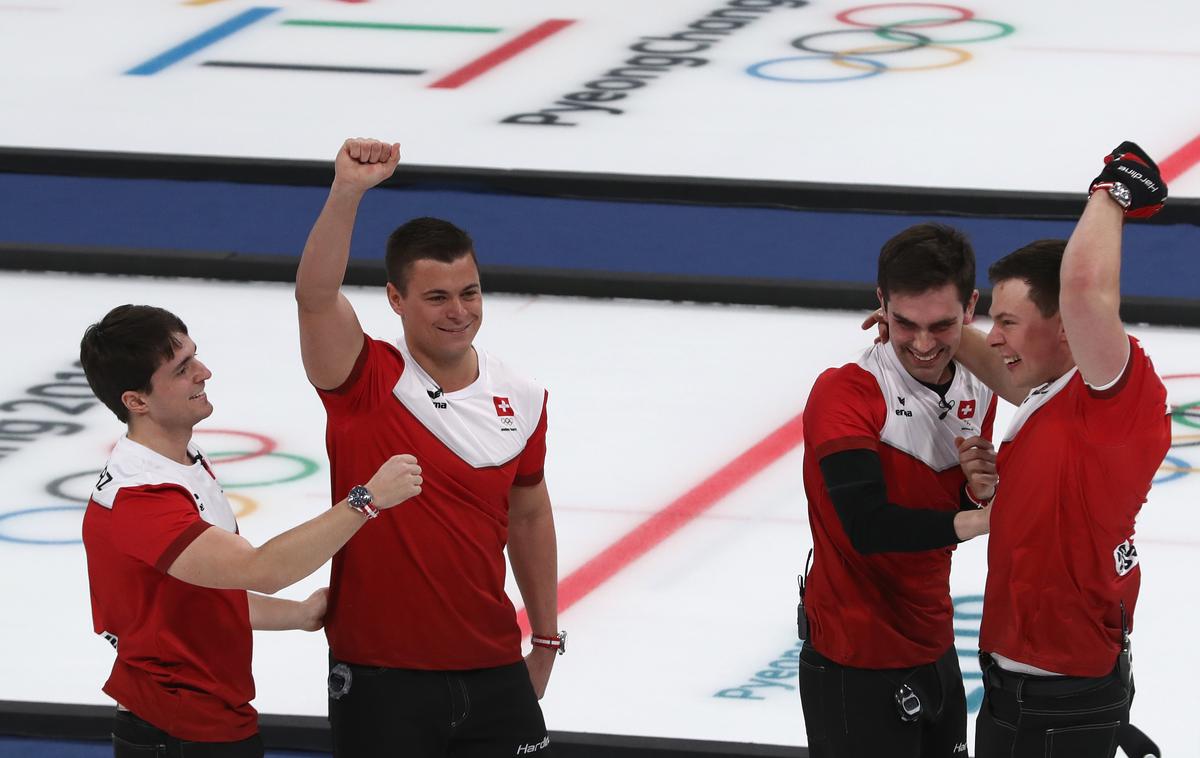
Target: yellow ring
<point>838,59</point>
<point>245,505</point>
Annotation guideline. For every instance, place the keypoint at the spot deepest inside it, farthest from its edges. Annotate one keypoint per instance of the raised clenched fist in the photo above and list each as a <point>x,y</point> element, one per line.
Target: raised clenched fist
<point>363,163</point>
<point>1133,180</point>
<point>398,479</point>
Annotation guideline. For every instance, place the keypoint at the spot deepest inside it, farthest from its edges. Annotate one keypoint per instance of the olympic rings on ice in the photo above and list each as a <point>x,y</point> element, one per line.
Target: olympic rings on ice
<point>897,37</point>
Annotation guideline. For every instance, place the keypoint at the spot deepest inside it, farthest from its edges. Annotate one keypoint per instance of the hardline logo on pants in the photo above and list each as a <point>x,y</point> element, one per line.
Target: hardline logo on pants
<point>527,749</point>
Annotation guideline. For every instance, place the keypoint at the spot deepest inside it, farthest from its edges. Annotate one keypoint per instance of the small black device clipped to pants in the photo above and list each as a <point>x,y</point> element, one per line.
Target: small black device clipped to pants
<point>801,616</point>
<point>865,713</point>
<point>134,737</point>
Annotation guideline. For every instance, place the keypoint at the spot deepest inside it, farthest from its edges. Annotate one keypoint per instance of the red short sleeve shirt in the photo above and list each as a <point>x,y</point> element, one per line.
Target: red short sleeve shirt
<point>1075,468</point>
<point>886,610</point>
<point>183,651</point>
<point>423,585</point>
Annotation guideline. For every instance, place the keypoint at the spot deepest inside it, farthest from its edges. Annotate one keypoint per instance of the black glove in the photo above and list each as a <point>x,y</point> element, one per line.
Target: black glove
<point>1132,179</point>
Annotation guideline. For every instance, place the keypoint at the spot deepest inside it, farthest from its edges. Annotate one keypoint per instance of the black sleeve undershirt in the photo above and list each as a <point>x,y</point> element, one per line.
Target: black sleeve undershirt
<point>854,479</point>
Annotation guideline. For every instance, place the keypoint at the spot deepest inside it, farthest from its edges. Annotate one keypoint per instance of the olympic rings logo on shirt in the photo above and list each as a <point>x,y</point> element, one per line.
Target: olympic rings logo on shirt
<point>271,468</point>
<point>861,60</point>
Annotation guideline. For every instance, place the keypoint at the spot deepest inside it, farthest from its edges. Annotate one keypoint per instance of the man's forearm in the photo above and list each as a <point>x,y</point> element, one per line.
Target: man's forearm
<point>293,555</point>
<point>533,553</point>
<point>986,363</point>
<point>273,613</point>
<point>323,263</point>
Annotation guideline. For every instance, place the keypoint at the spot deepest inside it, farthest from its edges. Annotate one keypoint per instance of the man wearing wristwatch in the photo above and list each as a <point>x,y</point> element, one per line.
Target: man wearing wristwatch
<point>1077,461</point>
<point>425,649</point>
<point>173,584</point>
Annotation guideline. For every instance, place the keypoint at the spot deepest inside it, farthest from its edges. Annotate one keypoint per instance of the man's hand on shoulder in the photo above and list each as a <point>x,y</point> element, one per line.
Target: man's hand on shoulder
<point>363,163</point>
<point>878,321</point>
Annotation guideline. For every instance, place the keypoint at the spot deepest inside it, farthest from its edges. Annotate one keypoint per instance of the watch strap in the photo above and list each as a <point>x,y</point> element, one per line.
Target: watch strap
<point>557,642</point>
<point>360,499</point>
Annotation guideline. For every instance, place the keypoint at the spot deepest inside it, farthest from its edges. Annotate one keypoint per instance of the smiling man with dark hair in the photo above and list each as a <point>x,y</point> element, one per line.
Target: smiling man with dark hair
<point>1078,459</point>
<point>425,649</point>
<point>897,469</point>
<point>167,568</point>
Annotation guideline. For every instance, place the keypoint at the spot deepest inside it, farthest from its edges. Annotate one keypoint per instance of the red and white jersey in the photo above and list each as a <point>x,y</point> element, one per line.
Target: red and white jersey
<point>422,586</point>
<point>1075,467</point>
<point>886,610</point>
<point>183,651</point>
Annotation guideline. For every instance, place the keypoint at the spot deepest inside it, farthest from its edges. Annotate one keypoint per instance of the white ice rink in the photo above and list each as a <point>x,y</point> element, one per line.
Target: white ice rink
<point>652,406</point>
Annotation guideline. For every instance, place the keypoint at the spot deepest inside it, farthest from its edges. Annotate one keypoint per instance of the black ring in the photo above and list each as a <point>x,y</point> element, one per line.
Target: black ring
<point>801,43</point>
<point>55,488</point>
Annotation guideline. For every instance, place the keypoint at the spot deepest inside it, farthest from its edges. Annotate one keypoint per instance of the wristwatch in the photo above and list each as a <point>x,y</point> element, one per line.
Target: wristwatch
<point>1116,190</point>
<point>360,499</point>
<point>557,642</point>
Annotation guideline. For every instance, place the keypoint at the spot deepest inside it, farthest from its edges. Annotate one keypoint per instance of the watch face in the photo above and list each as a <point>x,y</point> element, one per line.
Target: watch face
<point>1121,194</point>
<point>359,496</point>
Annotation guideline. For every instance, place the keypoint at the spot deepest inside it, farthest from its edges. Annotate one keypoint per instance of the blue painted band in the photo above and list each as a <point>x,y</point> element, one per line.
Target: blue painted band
<point>200,41</point>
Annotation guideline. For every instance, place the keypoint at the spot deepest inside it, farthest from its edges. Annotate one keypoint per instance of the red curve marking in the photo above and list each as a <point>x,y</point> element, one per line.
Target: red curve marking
<point>674,516</point>
<point>1181,161</point>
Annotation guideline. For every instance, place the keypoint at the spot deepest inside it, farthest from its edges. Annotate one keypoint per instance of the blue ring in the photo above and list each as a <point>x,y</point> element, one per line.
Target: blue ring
<point>756,69</point>
<point>1174,474</point>
<point>27,511</point>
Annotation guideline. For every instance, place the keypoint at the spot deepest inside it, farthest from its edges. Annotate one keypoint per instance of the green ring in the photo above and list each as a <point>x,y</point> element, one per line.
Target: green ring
<point>1180,414</point>
<point>1005,30</point>
<point>308,467</point>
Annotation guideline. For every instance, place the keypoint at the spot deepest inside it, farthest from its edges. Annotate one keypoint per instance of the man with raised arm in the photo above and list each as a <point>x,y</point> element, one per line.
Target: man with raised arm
<point>897,463</point>
<point>425,649</point>
<point>168,570</point>
<point>1077,461</point>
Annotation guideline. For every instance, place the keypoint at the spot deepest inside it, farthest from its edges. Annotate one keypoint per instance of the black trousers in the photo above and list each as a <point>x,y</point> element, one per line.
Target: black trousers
<point>394,713</point>
<point>1025,716</point>
<point>853,713</point>
<point>134,737</point>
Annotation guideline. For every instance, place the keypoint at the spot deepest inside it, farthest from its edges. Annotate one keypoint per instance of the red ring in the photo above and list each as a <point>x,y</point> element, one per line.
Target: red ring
<point>1179,376</point>
<point>965,14</point>
<point>266,444</point>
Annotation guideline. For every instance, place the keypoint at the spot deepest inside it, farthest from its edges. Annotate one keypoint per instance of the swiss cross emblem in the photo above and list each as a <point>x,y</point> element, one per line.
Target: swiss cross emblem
<point>503,407</point>
<point>966,409</point>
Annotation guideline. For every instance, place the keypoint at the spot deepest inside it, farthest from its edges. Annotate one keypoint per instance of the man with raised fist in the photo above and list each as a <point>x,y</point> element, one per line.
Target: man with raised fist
<point>425,649</point>
<point>898,469</point>
<point>169,572</point>
<point>1076,464</point>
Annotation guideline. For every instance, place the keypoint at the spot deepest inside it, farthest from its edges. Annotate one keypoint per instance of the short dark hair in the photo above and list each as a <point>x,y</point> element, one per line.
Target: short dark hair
<point>926,256</point>
<point>120,352</point>
<point>424,238</point>
<point>1038,265</point>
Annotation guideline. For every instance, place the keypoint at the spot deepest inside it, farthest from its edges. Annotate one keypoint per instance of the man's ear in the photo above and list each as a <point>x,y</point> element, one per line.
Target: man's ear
<point>135,402</point>
<point>969,316</point>
<point>394,299</point>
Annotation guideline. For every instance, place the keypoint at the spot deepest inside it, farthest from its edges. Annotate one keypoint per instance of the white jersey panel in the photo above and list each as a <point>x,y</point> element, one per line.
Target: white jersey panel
<point>486,423</point>
<point>135,465</point>
<point>918,421</point>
